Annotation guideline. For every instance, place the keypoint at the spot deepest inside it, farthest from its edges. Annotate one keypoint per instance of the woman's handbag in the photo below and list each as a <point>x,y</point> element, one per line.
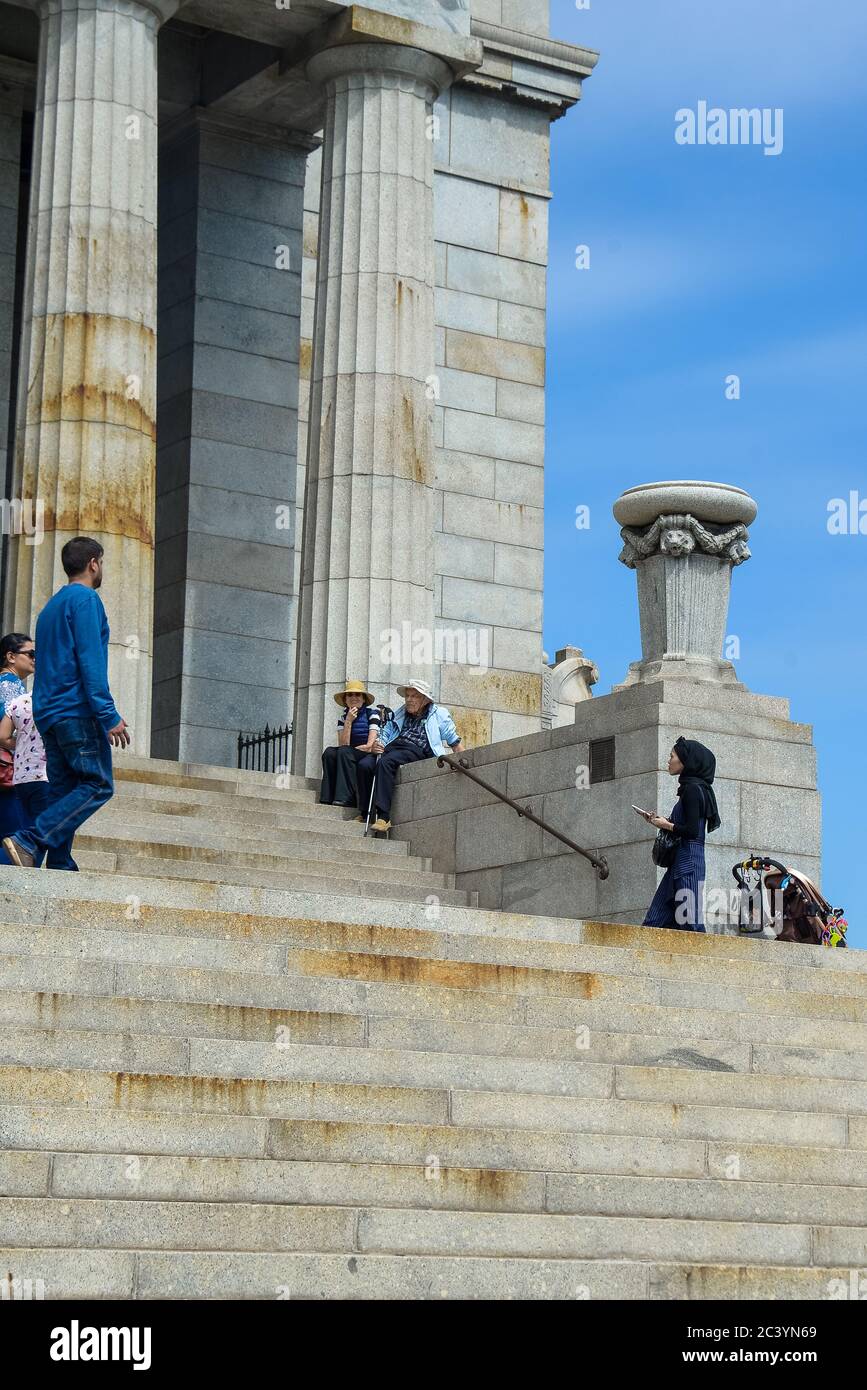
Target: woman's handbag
<point>7,764</point>
<point>665,847</point>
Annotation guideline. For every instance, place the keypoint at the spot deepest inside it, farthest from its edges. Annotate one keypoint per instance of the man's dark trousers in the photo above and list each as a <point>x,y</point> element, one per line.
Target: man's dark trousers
<point>78,763</point>
<point>388,762</point>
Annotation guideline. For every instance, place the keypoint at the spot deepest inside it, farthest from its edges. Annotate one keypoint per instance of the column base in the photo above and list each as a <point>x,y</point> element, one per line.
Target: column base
<point>682,668</point>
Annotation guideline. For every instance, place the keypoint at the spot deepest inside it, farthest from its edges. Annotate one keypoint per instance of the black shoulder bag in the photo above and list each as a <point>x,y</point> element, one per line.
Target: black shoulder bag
<point>665,848</point>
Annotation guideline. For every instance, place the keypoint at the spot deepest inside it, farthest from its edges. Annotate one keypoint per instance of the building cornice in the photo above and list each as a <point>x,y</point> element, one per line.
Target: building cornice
<point>531,69</point>
<point>552,52</point>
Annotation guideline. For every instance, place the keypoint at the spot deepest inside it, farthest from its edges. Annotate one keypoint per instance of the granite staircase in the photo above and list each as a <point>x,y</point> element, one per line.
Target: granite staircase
<point>247,1054</point>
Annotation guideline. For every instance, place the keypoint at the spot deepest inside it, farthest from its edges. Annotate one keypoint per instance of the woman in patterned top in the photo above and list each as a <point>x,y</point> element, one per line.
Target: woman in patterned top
<point>357,731</point>
<point>16,664</point>
<point>30,777</point>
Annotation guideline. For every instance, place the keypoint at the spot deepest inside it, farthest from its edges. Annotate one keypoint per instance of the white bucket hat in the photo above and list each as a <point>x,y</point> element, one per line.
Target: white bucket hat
<point>421,686</point>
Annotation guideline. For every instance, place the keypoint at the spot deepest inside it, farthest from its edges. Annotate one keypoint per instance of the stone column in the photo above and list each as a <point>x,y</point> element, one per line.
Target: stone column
<point>15,89</point>
<point>368,565</point>
<point>85,444</point>
<point>683,539</point>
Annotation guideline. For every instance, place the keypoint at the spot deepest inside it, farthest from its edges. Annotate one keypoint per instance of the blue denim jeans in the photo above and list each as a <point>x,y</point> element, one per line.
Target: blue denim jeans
<point>33,799</point>
<point>78,763</point>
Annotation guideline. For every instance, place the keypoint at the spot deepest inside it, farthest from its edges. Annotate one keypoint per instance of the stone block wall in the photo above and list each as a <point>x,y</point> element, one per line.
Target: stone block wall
<point>229,319</point>
<point>524,16</point>
<point>491,228</point>
<point>766,789</point>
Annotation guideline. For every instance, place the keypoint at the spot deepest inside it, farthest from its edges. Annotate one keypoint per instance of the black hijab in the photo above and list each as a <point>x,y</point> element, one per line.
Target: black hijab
<point>699,767</point>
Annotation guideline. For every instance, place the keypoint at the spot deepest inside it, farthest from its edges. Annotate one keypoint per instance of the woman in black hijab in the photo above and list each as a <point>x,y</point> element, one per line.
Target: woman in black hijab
<point>678,899</point>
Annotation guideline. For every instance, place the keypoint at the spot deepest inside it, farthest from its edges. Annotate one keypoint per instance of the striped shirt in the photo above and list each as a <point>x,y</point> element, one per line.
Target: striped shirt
<point>367,719</point>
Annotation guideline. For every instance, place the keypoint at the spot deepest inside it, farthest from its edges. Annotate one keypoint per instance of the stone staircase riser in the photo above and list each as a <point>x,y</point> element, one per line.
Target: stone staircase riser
<point>425,1186</point>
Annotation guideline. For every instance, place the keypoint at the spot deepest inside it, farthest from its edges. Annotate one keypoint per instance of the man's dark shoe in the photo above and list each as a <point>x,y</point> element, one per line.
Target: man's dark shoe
<point>17,853</point>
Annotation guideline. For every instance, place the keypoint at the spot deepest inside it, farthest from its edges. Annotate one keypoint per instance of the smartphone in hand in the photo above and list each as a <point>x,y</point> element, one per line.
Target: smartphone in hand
<point>646,814</point>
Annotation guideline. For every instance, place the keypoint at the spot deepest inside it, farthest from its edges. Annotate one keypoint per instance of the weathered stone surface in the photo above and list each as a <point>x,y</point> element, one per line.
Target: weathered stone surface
<point>85,442</point>
<point>214,1091</point>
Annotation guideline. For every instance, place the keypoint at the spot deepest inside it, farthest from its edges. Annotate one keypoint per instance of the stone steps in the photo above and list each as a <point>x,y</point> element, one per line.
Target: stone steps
<point>362,868</point>
<point>425,935</point>
<point>178,1225</point>
<point>353,1090</point>
<point>338,840</point>
<point>297,878</point>
<point>281,1059</point>
<point>164,1178</point>
<point>127,1016</point>
<point>541,996</point>
<point>133,767</point>
<point>304,821</point>
<point>237,1275</point>
<point>144,772</point>
<point>103,897</point>
<point>270,977</point>
<point>247,1053</point>
<point>52,1126</point>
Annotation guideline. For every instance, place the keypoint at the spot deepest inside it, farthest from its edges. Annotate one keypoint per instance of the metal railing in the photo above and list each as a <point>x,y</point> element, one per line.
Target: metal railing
<point>267,751</point>
<point>460,765</point>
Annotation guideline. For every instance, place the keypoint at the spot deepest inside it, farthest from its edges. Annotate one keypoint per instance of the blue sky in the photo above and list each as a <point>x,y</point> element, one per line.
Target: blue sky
<point>707,261</point>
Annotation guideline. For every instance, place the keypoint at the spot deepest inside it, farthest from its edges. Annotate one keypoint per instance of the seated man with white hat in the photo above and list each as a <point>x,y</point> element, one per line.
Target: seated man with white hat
<point>420,729</point>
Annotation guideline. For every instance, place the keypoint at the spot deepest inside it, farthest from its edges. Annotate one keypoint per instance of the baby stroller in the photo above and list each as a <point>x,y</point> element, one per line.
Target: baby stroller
<point>807,917</point>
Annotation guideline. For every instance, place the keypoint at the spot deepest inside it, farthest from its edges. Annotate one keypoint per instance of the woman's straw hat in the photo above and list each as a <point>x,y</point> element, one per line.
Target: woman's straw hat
<point>353,688</point>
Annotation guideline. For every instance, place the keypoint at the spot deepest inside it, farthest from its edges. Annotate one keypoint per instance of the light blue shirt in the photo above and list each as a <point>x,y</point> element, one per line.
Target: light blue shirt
<point>439,727</point>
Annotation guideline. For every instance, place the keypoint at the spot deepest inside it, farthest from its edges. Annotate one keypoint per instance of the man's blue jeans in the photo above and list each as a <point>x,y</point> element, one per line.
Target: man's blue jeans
<point>78,763</point>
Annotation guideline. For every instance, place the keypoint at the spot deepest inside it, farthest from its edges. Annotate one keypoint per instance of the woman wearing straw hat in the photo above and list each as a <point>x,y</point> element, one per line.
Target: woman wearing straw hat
<point>357,730</point>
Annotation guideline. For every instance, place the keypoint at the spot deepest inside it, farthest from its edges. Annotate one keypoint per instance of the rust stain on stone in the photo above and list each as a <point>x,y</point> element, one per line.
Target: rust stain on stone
<point>450,974</point>
<point>493,1184</point>
<point>475,725</point>
<point>83,343</point>
<point>414,446</point>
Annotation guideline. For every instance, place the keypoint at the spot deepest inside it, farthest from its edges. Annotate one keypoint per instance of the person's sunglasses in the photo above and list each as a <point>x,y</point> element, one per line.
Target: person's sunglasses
<point>31,653</point>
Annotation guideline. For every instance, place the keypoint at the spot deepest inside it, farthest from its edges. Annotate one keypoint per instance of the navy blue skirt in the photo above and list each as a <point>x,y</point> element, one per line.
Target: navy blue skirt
<point>678,901</point>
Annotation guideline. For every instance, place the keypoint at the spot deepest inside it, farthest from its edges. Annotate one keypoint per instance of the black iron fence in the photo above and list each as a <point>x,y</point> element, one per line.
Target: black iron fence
<point>267,751</point>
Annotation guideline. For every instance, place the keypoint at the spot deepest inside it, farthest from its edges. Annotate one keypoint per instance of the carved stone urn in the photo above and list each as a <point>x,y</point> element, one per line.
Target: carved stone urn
<point>683,539</point>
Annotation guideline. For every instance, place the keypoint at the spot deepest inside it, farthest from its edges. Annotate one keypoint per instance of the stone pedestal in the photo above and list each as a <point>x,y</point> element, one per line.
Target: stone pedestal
<point>683,539</point>
<point>368,561</point>
<point>85,444</point>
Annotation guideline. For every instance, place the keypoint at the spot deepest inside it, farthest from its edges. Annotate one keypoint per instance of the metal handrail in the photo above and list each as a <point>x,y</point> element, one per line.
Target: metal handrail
<point>600,863</point>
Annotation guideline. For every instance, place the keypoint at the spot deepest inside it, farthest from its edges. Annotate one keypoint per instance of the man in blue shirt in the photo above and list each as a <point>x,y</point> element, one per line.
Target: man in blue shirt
<point>73,708</point>
<point>419,729</point>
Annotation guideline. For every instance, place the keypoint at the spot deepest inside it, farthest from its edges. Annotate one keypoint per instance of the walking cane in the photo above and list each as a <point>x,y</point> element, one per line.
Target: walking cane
<point>370,803</point>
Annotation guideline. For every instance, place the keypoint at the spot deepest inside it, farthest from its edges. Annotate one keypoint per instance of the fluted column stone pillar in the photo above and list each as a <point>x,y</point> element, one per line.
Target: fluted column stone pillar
<point>368,563</point>
<point>86,438</point>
